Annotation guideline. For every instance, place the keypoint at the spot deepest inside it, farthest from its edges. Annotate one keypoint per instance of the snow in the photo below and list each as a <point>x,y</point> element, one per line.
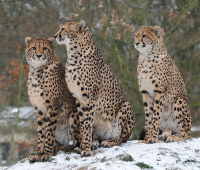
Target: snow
<point>195,129</point>
<point>159,156</point>
<point>24,112</point>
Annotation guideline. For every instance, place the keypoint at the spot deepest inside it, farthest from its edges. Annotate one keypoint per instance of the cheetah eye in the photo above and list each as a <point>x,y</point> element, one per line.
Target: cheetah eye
<point>33,48</point>
<point>62,29</point>
<point>135,36</point>
<point>44,48</point>
<point>144,36</point>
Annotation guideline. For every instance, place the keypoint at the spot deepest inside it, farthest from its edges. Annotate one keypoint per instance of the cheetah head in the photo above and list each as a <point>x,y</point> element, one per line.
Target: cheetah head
<point>147,38</point>
<point>39,51</point>
<point>69,30</point>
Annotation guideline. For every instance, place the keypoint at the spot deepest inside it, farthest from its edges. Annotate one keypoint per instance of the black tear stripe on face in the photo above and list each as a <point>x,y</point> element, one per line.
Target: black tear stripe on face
<point>28,50</point>
<point>143,43</point>
<point>43,54</point>
<point>44,57</point>
<point>142,39</point>
<point>34,50</point>
<point>34,54</point>
<point>61,32</point>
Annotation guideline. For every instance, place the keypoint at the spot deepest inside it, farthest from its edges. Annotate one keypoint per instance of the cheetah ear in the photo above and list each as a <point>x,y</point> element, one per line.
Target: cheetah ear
<point>28,40</point>
<point>81,26</point>
<point>159,31</point>
<point>51,41</point>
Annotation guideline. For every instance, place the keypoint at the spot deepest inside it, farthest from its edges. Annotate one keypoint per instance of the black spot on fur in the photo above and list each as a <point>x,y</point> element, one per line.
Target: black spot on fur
<point>39,123</point>
<point>47,101</point>
<point>145,104</point>
<point>40,113</point>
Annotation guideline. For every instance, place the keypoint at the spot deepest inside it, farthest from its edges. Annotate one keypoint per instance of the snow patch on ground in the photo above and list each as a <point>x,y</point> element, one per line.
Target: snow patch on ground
<point>195,129</point>
<point>24,112</point>
<point>129,156</point>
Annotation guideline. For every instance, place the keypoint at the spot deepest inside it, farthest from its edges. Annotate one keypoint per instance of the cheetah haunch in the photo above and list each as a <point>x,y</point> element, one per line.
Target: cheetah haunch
<point>57,116</point>
<point>100,100</point>
<point>162,87</point>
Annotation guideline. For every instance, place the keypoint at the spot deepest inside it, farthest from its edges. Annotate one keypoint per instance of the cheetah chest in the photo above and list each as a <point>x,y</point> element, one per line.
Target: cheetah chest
<point>35,94</point>
<point>73,79</point>
<point>147,81</point>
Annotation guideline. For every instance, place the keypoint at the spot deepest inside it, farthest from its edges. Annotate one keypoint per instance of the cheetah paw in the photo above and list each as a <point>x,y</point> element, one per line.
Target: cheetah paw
<point>34,158</point>
<point>85,153</point>
<point>77,150</point>
<point>105,144</point>
<point>95,144</point>
<point>142,141</point>
<point>45,157</point>
<point>152,140</point>
<point>166,133</point>
<point>174,138</point>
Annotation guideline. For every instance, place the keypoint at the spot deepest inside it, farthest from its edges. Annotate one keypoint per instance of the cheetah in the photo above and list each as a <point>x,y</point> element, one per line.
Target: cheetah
<point>57,116</point>
<point>99,97</point>
<point>162,88</point>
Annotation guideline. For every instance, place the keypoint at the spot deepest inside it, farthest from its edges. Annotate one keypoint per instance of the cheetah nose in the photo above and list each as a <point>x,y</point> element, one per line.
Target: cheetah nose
<point>137,43</point>
<point>55,36</point>
<point>39,56</point>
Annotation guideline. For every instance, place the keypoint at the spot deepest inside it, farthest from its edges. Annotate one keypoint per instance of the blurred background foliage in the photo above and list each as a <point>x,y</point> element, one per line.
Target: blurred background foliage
<point>112,23</point>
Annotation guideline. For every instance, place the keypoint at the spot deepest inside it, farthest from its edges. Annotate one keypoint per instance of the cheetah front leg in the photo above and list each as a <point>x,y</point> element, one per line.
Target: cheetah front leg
<point>157,112</point>
<point>74,123</point>
<point>148,108</point>
<point>40,137</point>
<point>95,141</point>
<point>75,132</point>
<point>86,113</point>
<point>184,121</point>
<point>125,124</point>
<point>51,122</point>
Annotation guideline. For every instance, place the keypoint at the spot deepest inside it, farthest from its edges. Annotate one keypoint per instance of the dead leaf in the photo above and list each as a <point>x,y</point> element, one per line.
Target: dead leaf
<point>183,16</point>
<point>19,49</point>
<point>104,19</point>
<point>105,35</point>
<point>80,3</point>
<point>130,10</point>
<point>100,5</point>
<point>118,37</point>
<point>74,15</point>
